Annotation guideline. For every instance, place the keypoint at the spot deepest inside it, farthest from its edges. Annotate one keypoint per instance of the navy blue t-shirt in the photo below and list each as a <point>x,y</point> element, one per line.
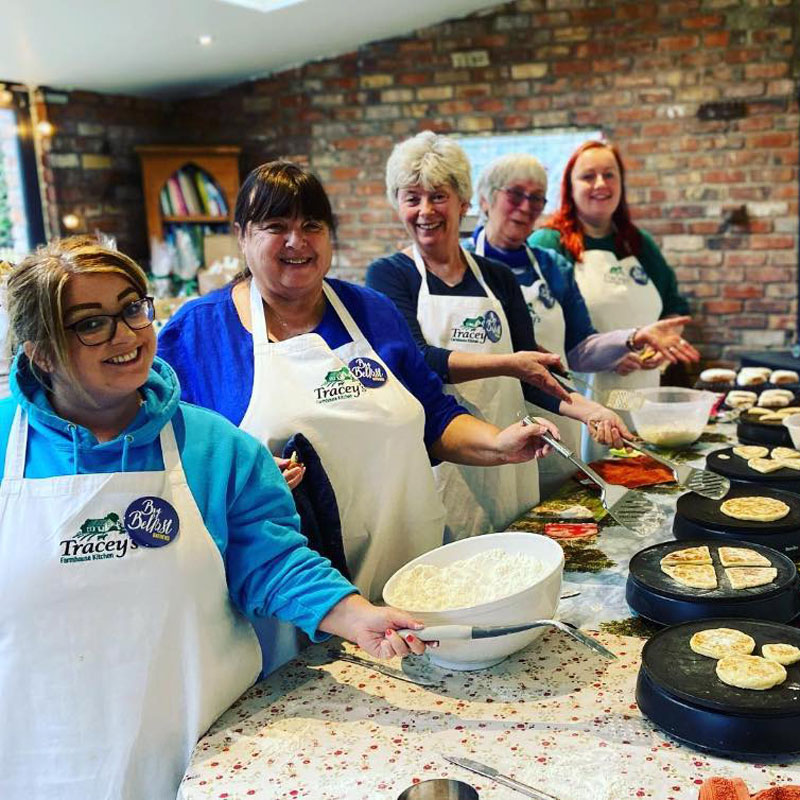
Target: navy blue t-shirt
<point>212,352</point>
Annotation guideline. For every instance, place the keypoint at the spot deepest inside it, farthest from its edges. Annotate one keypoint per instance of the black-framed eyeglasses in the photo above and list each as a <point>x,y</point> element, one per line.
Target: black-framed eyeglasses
<point>101,328</point>
<point>518,197</point>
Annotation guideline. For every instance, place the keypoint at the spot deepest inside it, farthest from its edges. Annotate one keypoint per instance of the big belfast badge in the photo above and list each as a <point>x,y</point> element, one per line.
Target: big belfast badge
<point>97,539</point>
<point>368,372</point>
<point>478,329</point>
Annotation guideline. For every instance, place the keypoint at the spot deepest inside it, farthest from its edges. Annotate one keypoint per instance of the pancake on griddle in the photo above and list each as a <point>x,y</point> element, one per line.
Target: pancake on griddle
<point>784,453</point>
<point>782,653</point>
<point>689,555</point>
<point>750,672</point>
<point>742,557</point>
<point>748,451</point>
<point>750,577</point>
<point>757,412</point>
<point>721,642</point>
<point>756,509</point>
<point>696,576</point>
<point>764,465</point>
<point>790,463</point>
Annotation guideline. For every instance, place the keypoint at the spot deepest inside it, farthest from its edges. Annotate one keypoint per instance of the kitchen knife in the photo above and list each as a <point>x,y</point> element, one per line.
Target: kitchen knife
<point>493,774</point>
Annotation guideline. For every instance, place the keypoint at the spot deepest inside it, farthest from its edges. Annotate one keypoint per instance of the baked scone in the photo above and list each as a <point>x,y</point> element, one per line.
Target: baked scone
<point>689,555</point>
<point>750,577</point>
<point>757,509</point>
<point>721,642</point>
<point>752,376</point>
<point>782,653</point>
<point>779,376</point>
<point>775,398</point>
<point>750,672</point>
<point>695,576</point>
<point>782,453</point>
<point>748,451</point>
<point>764,465</point>
<point>740,399</point>
<point>717,375</point>
<point>742,557</point>
<point>771,418</point>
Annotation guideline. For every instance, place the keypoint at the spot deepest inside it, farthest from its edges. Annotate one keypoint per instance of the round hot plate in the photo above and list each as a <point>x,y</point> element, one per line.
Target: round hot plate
<point>749,430</point>
<point>680,692</point>
<point>724,462</point>
<point>699,517</point>
<point>651,593</point>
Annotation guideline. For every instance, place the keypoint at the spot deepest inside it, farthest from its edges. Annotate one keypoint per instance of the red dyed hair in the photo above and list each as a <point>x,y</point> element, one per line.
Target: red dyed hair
<point>627,239</point>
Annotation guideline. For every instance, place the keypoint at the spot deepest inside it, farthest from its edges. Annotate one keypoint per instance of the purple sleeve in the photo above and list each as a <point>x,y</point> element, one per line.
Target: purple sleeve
<point>600,351</point>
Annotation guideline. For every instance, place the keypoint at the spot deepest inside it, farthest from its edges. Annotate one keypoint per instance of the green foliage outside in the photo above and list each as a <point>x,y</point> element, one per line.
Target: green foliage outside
<point>6,237</point>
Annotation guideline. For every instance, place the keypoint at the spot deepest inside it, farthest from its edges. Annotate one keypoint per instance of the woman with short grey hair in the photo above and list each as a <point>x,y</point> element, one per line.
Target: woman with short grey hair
<point>468,317</point>
<point>512,193</point>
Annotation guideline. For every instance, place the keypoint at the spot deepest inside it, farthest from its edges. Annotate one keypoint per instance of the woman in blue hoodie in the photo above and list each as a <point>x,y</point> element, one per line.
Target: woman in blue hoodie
<point>136,534</point>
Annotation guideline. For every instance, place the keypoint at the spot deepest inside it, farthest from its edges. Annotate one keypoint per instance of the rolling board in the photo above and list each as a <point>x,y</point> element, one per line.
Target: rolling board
<point>736,469</point>
<point>679,691</point>
<point>700,518</point>
<point>652,594</point>
<point>769,434</point>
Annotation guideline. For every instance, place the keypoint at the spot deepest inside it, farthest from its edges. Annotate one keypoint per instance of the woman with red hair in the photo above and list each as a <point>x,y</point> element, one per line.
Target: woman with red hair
<point>618,267</point>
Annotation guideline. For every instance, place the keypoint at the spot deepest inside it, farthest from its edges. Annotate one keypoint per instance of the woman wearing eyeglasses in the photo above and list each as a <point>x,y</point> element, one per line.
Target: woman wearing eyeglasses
<point>136,532</point>
<point>468,317</point>
<point>512,192</point>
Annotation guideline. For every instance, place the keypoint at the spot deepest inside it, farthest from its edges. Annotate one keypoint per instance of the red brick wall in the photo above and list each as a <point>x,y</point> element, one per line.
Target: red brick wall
<point>639,70</point>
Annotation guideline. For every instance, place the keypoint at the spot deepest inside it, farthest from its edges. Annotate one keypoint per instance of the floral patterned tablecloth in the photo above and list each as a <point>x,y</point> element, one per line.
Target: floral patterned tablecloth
<point>553,715</point>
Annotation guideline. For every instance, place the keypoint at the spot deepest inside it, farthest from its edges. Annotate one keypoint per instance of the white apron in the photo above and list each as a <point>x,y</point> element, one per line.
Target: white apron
<point>368,431</point>
<point>114,659</point>
<point>618,293</point>
<point>550,331</point>
<point>477,499</point>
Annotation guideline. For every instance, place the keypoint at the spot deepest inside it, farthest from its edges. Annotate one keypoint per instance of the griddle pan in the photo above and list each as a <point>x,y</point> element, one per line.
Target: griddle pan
<point>736,469</point>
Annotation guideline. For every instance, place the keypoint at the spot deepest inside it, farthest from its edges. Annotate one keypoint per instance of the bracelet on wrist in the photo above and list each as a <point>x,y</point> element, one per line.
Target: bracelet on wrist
<point>630,342</point>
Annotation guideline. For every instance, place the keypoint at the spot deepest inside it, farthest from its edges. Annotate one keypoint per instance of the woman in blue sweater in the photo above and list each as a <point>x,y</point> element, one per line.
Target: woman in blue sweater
<point>136,534</point>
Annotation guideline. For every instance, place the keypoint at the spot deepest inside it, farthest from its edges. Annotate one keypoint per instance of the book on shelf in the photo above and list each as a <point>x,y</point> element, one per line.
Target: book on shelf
<point>191,192</point>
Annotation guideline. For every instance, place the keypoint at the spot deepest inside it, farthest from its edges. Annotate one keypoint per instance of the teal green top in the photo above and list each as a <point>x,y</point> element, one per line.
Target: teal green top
<point>652,261</point>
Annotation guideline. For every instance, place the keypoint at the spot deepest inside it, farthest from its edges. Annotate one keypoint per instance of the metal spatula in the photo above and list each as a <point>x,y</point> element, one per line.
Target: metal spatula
<point>615,399</point>
<point>441,633</point>
<point>629,508</point>
<point>701,481</point>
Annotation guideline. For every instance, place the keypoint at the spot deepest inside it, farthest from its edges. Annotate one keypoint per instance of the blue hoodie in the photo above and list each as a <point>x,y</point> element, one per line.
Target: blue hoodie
<point>242,497</point>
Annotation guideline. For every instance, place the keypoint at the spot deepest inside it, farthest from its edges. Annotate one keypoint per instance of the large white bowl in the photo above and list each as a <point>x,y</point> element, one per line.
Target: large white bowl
<point>539,601</point>
<point>792,423</point>
<point>671,416</point>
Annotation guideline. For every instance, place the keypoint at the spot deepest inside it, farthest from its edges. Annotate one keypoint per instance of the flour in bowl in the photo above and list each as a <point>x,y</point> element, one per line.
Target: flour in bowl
<point>483,578</point>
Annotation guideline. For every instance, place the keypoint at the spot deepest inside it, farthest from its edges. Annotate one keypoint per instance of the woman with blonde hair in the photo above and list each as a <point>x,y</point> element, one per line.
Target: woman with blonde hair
<point>468,317</point>
<point>136,534</point>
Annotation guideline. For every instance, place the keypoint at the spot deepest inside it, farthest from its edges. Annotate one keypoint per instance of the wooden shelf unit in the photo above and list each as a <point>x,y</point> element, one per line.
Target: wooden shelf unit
<point>160,162</point>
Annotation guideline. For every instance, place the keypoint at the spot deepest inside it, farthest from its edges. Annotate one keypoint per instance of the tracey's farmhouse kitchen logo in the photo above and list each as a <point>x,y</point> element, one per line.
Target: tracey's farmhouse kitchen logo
<point>479,329</point>
<point>96,540</point>
<point>339,384</point>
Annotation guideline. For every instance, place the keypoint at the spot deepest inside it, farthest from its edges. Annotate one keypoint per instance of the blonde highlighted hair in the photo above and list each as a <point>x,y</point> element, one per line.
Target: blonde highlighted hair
<point>35,291</point>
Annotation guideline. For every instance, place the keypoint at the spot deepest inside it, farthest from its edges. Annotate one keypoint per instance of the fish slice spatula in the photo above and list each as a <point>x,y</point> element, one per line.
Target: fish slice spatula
<point>629,508</point>
<point>700,481</point>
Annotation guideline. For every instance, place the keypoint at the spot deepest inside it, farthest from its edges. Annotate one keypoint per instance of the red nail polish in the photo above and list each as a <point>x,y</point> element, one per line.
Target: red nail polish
<point>389,632</point>
<point>410,638</point>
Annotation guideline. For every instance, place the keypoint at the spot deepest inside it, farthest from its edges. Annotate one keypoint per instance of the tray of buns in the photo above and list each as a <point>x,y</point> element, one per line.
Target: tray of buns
<point>727,685</point>
<point>677,581</point>
<point>752,380</point>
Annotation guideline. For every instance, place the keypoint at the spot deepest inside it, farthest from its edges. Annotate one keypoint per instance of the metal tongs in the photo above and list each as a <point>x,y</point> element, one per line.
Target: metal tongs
<point>629,508</point>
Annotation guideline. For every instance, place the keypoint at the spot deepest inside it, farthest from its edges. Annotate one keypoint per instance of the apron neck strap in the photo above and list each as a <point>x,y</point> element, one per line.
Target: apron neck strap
<point>16,447</point>
<point>258,319</point>
<point>419,262</point>
<point>534,263</point>
<point>170,454</point>
<point>344,315</point>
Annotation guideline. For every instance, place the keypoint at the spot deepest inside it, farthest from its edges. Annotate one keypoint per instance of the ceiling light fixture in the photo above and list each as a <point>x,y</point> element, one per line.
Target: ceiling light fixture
<point>70,221</point>
<point>205,39</point>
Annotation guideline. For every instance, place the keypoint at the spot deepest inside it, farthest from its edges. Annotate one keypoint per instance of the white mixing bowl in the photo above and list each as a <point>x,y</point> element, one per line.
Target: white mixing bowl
<point>792,423</point>
<point>538,601</point>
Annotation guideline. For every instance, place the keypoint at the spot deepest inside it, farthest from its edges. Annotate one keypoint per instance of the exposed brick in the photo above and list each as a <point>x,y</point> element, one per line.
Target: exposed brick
<point>92,161</point>
<point>435,93</point>
<point>527,71</point>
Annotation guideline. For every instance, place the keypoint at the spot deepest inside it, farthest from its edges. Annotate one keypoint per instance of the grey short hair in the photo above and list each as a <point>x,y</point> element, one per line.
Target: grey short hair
<point>506,169</point>
<point>431,160</point>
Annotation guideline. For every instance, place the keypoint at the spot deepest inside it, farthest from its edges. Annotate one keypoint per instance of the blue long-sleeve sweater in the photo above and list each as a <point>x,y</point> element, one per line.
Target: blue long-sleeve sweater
<point>242,497</point>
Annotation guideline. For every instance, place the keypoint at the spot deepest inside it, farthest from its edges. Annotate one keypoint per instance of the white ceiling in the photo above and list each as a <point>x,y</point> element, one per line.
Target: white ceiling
<point>150,47</point>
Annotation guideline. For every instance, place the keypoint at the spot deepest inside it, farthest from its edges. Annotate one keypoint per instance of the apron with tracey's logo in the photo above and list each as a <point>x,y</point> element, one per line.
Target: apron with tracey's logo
<point>477,499</point>
<point>618,293</point>
<point>368,431</point>
<point>114,659</point>
<point>550,331</point>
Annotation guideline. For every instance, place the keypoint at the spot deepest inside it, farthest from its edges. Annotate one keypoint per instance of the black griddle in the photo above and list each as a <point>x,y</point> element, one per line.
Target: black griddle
<point>678,690</point>
<point>769,434</point>
<point>652,594</point>
<point>699,517</point>
<point>736,469</point>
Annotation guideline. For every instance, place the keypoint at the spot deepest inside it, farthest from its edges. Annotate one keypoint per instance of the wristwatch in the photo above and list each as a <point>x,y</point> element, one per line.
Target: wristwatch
<point>629,342</point>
